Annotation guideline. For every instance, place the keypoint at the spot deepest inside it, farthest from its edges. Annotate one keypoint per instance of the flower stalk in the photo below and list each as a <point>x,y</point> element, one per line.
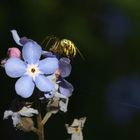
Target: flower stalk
<point>40,127</point>
<point>46,117</point>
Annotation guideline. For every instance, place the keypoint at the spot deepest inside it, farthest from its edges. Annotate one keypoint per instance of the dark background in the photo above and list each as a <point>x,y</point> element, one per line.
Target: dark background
<point>107,83</point>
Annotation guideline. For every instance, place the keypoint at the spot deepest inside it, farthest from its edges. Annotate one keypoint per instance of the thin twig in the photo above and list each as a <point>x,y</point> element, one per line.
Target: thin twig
<point>46,117</point>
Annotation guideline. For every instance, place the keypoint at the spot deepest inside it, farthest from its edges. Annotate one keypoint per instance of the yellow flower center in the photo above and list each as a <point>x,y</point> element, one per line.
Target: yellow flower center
<point>32,70</point>
<point>77,129</point>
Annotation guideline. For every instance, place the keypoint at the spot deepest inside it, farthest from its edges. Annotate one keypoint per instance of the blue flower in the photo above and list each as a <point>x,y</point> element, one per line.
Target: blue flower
<point>62,86</point>
<point>65,87</point>
<point>31,70</point>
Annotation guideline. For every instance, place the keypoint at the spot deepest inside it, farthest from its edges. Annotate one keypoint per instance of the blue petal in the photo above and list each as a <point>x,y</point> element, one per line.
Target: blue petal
<point>48,65</point>
<point>65,67</point>
<point>43,83</point>
<point>48,54</point>
<point>24,86</point>
<point>15,67</point>
<point>31,52</point>
<point>16,37</point>
<point>65,88</point>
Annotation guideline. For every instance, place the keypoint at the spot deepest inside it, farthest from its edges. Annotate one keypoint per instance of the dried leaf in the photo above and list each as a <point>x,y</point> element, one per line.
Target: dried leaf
<point>17,116</point>
<point>7,113</point>
<point>28,112</point>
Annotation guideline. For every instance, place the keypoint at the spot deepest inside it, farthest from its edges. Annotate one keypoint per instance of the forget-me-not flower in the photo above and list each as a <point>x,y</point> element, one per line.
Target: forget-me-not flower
<point>65,67</point>
<point>62,86</point>
<point>31,70</point>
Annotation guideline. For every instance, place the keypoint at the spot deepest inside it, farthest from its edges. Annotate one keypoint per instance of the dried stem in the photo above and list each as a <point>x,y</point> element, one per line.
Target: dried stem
<point>35,130</point>
<point>40,127</point>
<point>46,117</point>
<point>40,122</point>
<point>39,119</point>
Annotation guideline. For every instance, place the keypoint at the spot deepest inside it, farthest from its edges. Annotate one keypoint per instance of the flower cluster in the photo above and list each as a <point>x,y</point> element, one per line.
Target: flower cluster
<point>37,68</point>
<point>46,72</point>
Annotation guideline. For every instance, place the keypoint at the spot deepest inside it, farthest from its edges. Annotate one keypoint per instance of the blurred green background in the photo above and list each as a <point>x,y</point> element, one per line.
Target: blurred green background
<point>106,32</point>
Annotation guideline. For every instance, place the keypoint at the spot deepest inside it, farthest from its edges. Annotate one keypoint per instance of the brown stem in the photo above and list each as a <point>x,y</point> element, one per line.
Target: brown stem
<point>46,117</point>
<point>40,127</point>
<point>39,119</point>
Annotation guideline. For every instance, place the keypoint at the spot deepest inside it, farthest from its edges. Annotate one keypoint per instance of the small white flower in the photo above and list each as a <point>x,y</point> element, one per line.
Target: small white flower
<point>76,129</point>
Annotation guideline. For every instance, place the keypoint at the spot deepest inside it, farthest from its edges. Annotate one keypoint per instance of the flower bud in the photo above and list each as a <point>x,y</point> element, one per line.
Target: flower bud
<point>14,52</point>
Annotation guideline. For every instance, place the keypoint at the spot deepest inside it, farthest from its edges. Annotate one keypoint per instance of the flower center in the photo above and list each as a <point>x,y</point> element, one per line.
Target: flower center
<point>32,70</point>
<point>77,129</point>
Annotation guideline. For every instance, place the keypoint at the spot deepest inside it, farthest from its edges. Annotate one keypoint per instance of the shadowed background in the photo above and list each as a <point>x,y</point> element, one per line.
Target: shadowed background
<point>107,83</point>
